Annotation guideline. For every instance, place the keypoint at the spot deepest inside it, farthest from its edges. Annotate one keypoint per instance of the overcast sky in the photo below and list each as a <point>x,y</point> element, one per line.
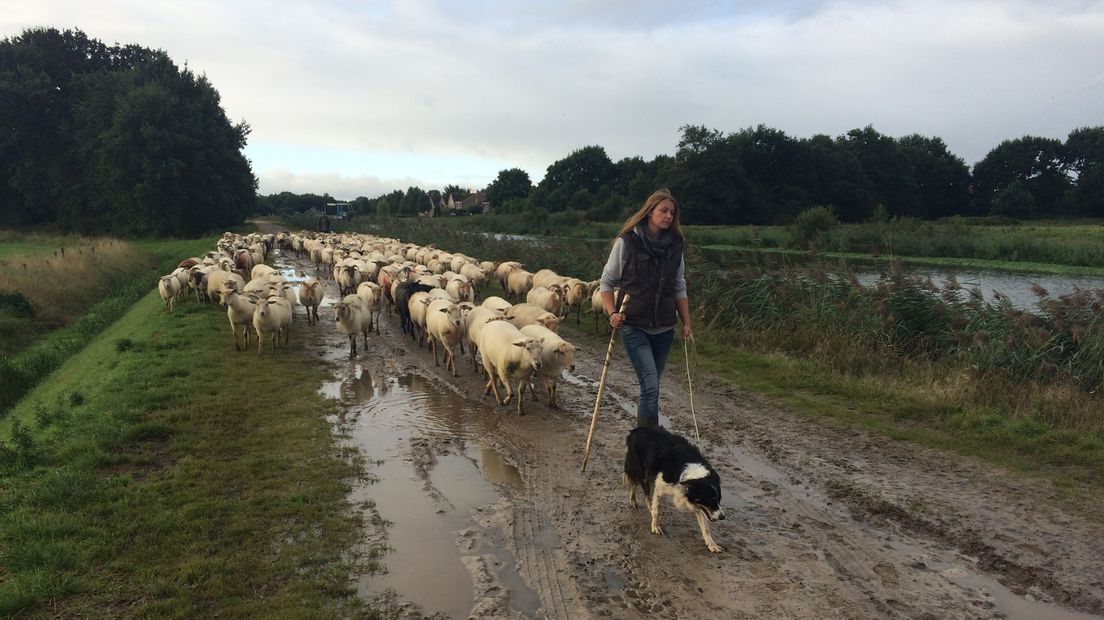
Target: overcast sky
<point>360,98</point>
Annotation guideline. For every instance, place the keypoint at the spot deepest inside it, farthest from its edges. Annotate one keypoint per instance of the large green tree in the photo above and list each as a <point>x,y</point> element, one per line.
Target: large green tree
<point>942,178</point>
<point>510,184</point>
<point>115,139</point>
<point>588,168</point>
<point>1036,162</point>
<point>1084,154</point>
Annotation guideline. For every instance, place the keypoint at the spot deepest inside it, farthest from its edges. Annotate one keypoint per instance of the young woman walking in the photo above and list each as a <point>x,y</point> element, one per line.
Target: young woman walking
<point>646,263</point>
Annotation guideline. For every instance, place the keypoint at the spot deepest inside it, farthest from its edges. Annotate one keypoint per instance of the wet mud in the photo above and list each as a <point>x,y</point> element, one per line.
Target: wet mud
<point>481,513</point>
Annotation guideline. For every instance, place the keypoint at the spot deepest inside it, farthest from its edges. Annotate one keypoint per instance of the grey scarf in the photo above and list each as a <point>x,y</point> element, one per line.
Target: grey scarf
<point>655,247</point>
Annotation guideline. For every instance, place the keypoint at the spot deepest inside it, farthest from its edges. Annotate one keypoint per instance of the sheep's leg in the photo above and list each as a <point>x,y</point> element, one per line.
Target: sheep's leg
<point>506,384</point>
<point>452,361</point>
<point>491,376</point>
<point>433,346</point>
<point>352,346</point>
<point>377,322</point>
<point>234,332</point>
<point>521,395</point>
<point>260,342</point>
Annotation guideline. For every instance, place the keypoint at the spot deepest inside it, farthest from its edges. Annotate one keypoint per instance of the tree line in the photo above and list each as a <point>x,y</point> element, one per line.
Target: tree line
<point>114,139</point>
<point>763,176</point>
<point>118,139</point>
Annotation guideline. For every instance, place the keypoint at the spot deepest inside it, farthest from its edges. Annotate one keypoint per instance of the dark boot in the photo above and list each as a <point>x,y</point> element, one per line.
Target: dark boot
<point>647,420</point>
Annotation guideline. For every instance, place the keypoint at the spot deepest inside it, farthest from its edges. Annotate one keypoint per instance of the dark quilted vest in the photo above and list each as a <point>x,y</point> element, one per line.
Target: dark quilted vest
<point>650,283</point>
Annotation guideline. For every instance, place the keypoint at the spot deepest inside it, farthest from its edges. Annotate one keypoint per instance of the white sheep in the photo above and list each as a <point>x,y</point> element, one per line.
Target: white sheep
<point>473,326</point>
<point>508,355</point>
<point>474,275</point>
<point>556,355</point>
<point>351,318</point>
<point>417,305</point>
<point>372,296</point>
<point>496,303</point>
<point>272,317</point>
<point>503,270</point>
<point>445,325</point>
<point>460,289</point>
<point>217,279</point>
<point>546,278</point>
<point>169,289</point>
<point>261,270</point>
<point>521,315</point>
<point>551,299</point>
<point>576,294</point>
<point>518,283</point>
<point>598,306</point>
<point>239,310</point>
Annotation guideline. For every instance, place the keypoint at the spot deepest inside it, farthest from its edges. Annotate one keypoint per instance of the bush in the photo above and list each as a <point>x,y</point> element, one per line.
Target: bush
<point>810,225</point>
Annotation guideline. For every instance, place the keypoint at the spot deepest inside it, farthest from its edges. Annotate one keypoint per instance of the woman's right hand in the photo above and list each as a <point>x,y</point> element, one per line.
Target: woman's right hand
<point>616,319</point>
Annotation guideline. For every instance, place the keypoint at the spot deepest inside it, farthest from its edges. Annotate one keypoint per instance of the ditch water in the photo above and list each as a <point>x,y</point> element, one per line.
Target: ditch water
<point>1017,287</point>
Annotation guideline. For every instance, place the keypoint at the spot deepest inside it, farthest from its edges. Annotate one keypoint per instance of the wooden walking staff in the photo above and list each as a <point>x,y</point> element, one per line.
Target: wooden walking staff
<point>602,384</point>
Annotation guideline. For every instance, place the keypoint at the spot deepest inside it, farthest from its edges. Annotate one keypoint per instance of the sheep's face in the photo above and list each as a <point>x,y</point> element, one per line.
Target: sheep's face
<point>566,353</point>
<point>534,347</point>
<point>549,320</point>
<point>262,307</point>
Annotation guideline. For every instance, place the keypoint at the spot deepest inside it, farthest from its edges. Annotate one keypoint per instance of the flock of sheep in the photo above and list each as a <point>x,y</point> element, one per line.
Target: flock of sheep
<point>433,292</point>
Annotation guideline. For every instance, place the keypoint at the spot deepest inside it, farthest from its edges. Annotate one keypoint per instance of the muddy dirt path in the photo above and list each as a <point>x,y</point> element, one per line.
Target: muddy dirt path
<point>485,514</point>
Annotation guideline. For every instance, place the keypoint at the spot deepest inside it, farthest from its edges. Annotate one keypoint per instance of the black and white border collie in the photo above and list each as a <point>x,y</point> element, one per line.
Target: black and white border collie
<point>663,463</point>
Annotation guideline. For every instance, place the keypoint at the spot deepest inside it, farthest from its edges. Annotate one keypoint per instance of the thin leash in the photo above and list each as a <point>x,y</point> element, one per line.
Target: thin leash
<point>690,384</point>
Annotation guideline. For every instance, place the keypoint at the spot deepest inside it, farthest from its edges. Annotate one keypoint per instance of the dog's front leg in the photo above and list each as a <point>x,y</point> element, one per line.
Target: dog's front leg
<point>655,514</point>
<point>703,523</point>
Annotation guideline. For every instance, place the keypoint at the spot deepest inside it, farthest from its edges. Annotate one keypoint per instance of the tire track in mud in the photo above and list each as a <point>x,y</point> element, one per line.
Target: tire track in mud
<point>822,522</point>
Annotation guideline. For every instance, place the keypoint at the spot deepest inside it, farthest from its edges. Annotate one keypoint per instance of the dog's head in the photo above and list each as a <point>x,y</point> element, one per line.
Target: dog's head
<point>702,488</point>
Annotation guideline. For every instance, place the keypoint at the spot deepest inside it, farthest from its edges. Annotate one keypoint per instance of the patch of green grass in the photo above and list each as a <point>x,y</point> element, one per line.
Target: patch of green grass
<point>176,478</point>
<point>39,344</point>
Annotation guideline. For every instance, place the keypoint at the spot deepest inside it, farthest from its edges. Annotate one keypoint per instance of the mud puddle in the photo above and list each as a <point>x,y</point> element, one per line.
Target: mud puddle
<point>435,476</point>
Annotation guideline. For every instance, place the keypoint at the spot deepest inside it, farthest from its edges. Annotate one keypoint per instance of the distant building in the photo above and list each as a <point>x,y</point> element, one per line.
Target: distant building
<point>454,204</point>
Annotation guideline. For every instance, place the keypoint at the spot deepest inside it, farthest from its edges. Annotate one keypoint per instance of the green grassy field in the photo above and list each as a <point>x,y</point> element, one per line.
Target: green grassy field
<point>159,473</point>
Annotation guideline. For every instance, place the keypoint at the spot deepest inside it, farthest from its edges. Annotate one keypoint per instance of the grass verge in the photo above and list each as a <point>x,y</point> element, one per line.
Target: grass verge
<point>158,473</point>
<point>83,299</point>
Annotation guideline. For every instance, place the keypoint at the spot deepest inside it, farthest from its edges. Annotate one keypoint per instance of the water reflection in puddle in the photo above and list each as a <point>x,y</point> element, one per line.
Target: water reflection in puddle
<point>436,473</point>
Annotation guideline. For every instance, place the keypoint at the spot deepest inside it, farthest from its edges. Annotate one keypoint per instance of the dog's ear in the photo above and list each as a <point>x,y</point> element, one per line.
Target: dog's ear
<point>693,471</point>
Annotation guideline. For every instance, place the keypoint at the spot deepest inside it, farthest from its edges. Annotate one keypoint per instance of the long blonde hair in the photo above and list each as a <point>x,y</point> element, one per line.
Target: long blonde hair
<point>650,204</point>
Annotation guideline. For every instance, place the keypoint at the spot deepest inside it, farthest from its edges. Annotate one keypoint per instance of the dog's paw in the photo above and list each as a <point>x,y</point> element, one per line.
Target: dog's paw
<point>657,530</point>
<point>715,548</point>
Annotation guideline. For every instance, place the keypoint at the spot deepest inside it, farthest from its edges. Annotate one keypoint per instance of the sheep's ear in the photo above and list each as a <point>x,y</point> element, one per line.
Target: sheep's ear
<point>445,310</point>
<point>519,343</point>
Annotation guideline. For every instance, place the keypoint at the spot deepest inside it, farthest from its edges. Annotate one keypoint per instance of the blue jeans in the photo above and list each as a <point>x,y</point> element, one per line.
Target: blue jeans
<point>648,354</point>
